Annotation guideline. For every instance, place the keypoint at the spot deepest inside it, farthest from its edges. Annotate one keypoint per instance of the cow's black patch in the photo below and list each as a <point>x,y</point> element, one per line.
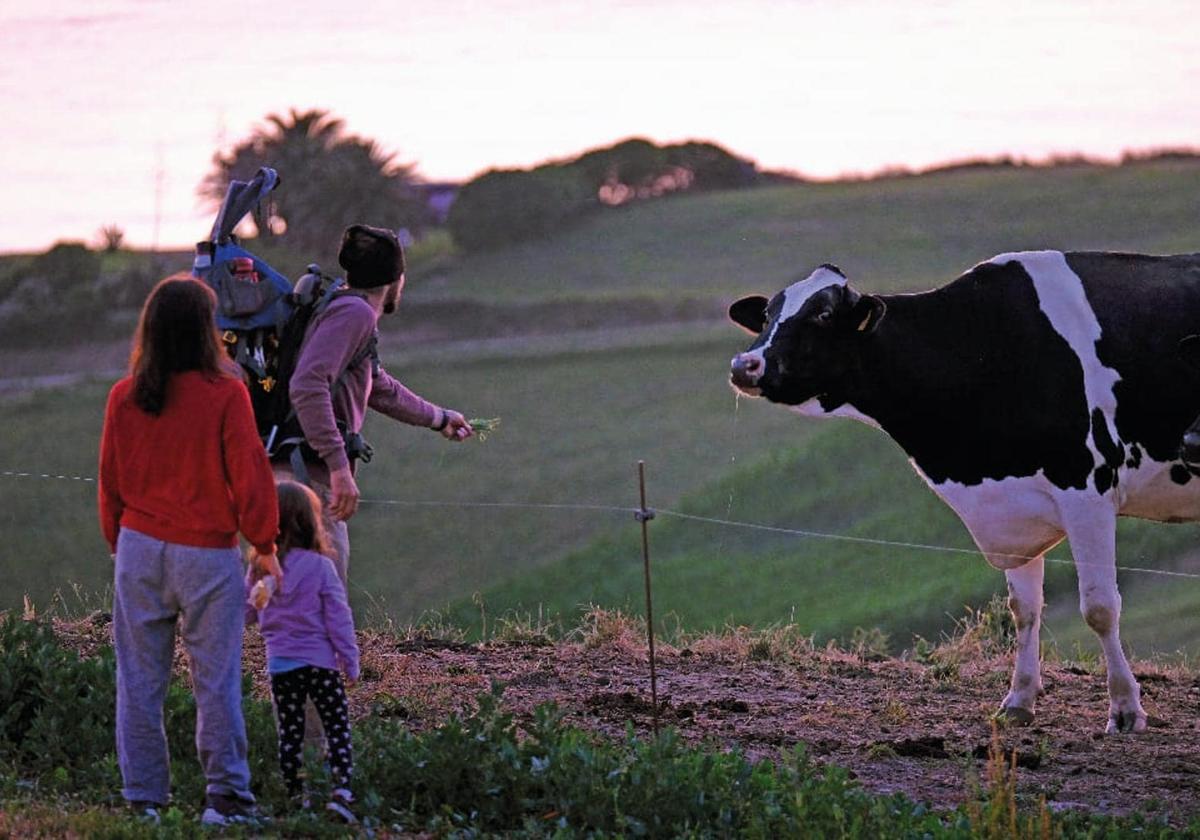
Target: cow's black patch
<point>1135,457</point>
<point>1146,305</point>
<point>974,382</point>
<point>1112,452</point>
<point>1108,474</point>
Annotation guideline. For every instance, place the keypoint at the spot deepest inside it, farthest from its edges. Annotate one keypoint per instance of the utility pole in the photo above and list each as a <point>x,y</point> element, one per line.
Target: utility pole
<point>160,179</point>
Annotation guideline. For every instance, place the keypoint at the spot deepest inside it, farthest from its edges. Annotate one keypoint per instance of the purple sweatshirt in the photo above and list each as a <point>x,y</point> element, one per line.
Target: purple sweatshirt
<point>308,618</point>
<point>331,342</point>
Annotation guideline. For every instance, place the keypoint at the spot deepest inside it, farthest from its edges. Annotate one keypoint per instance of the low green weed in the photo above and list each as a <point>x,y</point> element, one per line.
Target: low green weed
<point>479,775</point>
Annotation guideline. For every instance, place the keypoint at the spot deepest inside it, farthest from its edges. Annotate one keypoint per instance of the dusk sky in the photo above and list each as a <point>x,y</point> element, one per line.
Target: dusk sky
<point>114,108</point>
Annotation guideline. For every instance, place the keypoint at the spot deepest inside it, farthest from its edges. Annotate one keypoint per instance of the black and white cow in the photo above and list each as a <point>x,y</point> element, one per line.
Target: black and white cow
<point>1041,395</point>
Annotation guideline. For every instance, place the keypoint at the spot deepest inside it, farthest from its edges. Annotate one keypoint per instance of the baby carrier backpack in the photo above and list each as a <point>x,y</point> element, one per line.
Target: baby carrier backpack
<point>262,318</point>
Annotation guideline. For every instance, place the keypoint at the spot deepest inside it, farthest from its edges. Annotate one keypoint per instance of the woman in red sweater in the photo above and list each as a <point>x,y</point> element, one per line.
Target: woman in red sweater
<point>182,472</point>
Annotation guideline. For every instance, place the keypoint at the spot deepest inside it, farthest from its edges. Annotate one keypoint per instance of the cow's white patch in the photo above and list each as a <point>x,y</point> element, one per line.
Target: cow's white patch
<point>794,298</point>
<point>813,408</point>
<point>1061,297</point>
<point>797,294</point>
<point>1148,492</point>
<point>1011,519</point>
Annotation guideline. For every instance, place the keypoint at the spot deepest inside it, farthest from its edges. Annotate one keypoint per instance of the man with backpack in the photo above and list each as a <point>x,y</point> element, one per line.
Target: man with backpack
<point>338,376</point>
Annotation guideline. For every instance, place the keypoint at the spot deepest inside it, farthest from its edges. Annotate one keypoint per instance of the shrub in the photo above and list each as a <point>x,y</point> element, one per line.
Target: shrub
<point>66,266</point>
<point>477,775</point>
<point>56,710</point>
<point>112,238</point>
<point>58,719</point>
<point>502,207</point>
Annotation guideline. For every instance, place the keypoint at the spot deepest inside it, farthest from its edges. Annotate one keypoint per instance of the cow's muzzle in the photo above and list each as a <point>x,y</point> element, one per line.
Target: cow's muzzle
<point>745,370</point>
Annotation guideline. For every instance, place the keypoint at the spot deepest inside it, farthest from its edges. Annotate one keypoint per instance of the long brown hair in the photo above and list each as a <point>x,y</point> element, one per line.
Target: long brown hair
<point>177,332</point>
<point>300,523</point>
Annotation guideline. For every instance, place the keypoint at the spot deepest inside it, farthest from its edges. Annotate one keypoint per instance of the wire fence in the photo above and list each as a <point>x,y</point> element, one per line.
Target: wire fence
<point>681,516</point>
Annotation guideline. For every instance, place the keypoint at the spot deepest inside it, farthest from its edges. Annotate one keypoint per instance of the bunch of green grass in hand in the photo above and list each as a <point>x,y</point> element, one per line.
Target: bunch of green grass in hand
<point>483,427</point>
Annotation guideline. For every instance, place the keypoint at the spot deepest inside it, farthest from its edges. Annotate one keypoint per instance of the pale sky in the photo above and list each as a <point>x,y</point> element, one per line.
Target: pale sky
<point>114,108</point>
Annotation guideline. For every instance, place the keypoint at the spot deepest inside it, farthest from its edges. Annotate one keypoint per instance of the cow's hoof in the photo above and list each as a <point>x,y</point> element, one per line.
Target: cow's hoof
<point>1014,716</point>
<point>1119,721</point>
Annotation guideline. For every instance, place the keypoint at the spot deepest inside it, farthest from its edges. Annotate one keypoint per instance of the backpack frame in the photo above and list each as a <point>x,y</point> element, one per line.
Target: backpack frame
<point>263,321</point>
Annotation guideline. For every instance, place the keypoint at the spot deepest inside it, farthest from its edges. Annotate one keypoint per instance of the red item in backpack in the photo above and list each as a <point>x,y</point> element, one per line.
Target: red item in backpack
<point>243,269</point>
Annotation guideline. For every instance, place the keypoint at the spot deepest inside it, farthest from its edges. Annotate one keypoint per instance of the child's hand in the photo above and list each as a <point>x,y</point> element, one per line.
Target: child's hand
<point>350,681</point>
<point>266,564</point>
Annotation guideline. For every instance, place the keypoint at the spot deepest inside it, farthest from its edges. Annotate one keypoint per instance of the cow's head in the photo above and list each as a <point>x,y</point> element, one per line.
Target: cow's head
<point>806,337</point>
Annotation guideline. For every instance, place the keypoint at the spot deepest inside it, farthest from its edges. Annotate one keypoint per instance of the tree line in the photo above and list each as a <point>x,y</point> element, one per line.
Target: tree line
<point>331,178</point>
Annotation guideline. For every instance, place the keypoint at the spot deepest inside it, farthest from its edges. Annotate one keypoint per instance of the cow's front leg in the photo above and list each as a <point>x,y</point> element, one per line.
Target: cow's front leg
<point>1093,537</point>
<point>1025,601</point>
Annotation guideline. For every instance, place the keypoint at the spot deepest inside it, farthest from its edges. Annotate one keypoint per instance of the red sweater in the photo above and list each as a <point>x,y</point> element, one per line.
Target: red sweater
<point>194,475</point>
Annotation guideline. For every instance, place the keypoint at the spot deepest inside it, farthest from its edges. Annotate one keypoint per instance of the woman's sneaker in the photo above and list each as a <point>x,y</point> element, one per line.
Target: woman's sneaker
<point>227,809</point>
<point>339,805</point>
<point>150,812</point>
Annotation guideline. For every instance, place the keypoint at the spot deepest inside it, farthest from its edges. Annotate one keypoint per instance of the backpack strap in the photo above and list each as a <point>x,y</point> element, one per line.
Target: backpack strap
<point>357,447</point>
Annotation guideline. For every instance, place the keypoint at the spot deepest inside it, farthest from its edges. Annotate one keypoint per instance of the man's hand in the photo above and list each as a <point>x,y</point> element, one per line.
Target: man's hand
<point>343,494</point>
<point>457,428</point>
<point>266,564</point>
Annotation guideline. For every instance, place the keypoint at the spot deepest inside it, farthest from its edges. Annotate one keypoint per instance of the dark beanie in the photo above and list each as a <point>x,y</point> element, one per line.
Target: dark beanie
<point>371,256</point>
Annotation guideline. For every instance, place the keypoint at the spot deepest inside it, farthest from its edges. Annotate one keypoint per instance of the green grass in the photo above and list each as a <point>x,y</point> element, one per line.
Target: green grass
<point>891,234</point>
<point>573,426</point>
<point>848,482</point>
<point>579,408</point>
<point>479,774</point>
<point>853,485</point>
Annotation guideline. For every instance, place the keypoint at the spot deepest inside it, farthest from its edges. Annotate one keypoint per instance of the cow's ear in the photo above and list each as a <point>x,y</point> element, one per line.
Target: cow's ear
<point>749,313</point>
<point>1189,349</point>
<point>866,314</point>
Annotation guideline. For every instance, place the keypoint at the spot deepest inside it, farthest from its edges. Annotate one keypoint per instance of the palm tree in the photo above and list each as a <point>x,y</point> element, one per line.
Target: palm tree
<point>329,179</point>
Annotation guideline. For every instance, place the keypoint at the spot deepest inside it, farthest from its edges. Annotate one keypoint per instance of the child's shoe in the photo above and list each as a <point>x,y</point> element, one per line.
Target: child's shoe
<point>339,805</point>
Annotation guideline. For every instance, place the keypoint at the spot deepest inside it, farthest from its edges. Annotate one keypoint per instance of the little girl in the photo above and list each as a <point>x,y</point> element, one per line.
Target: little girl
<point>309,634</point>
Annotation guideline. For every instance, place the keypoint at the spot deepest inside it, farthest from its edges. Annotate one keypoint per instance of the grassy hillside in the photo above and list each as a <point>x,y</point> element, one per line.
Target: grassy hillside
<point>893,234</point>
<point>851,482</point>
<point>573,425</point>
<point>571,343</point>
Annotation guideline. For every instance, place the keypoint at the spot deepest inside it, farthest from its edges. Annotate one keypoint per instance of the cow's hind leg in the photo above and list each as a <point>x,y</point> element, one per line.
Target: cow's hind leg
<point>1025,601</point>
<point>1093,537</point>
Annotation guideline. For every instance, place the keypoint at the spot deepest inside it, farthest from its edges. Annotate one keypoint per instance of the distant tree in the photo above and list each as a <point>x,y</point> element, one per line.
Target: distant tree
<point>504,206</point>
<point>66,267</point>
<point>112,237</point>
<point>711,167</point>
<point>501,207</point>
<point>619,173</point>
<point>329,179</point>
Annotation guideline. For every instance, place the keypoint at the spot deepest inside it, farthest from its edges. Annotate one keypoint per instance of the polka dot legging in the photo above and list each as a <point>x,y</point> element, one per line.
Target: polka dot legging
<point>324,686</point>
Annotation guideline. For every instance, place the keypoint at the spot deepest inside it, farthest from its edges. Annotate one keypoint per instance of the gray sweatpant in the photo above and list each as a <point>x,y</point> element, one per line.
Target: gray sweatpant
<point>159,586</point>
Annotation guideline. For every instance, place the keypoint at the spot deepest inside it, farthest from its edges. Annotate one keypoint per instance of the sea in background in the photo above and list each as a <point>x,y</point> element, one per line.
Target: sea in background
<point>114,108</point>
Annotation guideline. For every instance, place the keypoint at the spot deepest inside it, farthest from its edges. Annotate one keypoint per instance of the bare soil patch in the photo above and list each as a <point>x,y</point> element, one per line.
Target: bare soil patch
<point>897,726</point>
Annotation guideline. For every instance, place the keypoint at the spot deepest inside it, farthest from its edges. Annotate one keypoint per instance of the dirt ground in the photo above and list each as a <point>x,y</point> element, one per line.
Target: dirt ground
<point>897,726</point>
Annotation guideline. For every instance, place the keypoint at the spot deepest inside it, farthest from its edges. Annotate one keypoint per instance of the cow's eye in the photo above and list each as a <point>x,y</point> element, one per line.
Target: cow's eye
<point>823,317</point>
